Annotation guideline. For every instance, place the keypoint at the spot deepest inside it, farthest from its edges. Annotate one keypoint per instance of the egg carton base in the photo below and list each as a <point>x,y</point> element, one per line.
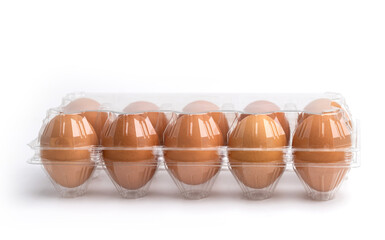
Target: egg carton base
<point>131,193</point>
<point>258,193</point>
<point>65,192</point>
<point>194,192</point>
<point>70,192</point>
<point>321,196</point>
<point>195,195</point>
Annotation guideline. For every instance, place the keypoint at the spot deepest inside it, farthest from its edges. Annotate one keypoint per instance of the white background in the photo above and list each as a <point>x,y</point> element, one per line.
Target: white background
<point>50,48</point>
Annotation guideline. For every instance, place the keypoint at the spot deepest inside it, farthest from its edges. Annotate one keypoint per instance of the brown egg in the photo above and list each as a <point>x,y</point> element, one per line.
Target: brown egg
<point>158,119</point>
<point>264,107</point>
<point>260,168</point>
<point>322,171</point>
<point>198,131</point>
<point>206,107</point>
<point>68,167</point>
<point>323,105</point>
<point>88,108</point>
<point>130,169</point>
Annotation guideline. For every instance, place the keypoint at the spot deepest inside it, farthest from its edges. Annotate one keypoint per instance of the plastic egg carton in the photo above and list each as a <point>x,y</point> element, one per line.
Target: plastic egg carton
<point>195,137</point>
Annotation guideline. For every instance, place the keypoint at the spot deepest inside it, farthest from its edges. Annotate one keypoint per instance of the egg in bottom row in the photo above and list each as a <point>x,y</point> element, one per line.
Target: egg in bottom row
<point>321,146</point>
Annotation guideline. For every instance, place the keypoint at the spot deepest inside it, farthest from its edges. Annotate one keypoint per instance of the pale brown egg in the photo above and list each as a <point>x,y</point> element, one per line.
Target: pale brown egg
<point>130,169</point>
<point>323,105</point>
<point>212,110</point>
<point>158,119</point>
<point>264,107</point>
<point>260,168</point>
<point>68,166</point>
<point>88,108</point>
<point>322,170</point>
<point>200,164</point>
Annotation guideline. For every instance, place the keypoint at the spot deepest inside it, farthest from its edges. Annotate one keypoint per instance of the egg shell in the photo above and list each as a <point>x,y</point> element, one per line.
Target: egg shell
<point>87,107</point>
<point>212,110</point>
<point>81,105</point>
<point>97,120</point>
<point>322,171</point>
<point>158,119</point>
<point>221,120</point>
<point>198,131</point>
<point>262,106</point>
<point>259,168</point>
<point>131,168</point>
<point>69,167</point>
<point>200,106</point>
<point>323,105</point>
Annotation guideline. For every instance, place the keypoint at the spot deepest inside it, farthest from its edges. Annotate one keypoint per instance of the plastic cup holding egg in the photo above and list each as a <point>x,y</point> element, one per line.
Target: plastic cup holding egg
<point>256,150</point>
<point>66,143</point>
<point>129,155</point>
<point>321,151</point>
<point>93,111</point>
<point>192,158</point>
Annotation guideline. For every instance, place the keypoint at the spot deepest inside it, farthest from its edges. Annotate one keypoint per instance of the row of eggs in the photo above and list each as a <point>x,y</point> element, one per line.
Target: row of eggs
<point>329,128</point>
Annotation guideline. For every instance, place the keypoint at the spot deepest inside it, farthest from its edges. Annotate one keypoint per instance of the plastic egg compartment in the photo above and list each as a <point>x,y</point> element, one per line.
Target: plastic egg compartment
<point>193,150</point>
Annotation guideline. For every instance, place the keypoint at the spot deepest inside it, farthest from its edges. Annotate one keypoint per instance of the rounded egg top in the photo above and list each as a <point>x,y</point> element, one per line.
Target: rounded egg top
<point>322,131</point>
<point>326,131</point>
<point>158,119</point>
<point>130,130</point>
<point>81,105</point>
<point>272,110</point>
<point>88,108</point>
<point>67,131</point>
<point>257,131</point>
<point>194,131</point>
<point>321,106</point>
<point>211,109</point>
